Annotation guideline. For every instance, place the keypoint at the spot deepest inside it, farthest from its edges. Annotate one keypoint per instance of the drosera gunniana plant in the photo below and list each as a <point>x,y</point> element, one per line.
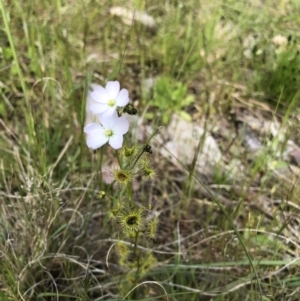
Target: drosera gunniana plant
<point>134,222</point>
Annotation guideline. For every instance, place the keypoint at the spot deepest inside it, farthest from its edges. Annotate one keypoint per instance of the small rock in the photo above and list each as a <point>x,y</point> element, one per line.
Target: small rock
<point>149,83</point>
<point>295,154</point>
<point>279,40</point>
<point>128,15</point>
<point>250,139</point>
<point>182,138</point>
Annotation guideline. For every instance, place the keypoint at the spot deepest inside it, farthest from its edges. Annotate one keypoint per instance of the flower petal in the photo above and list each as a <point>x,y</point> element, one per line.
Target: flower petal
<point>121,126</point>
<point>122,98</point>
<point>93,129</point>
<point>113,89</point>
<point>89,116</point>
<point>109,113</point>
<point>96,141</point>
<point>95,135</point>
<point>100,95</point>
<point>98,108</point>
<point>116,141</point>
<point>96,87</point>
<point>109,122</point>
<point>113,116</point>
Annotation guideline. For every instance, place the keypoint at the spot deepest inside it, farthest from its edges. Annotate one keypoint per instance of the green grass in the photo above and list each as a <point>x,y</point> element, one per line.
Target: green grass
<point>225,236</point>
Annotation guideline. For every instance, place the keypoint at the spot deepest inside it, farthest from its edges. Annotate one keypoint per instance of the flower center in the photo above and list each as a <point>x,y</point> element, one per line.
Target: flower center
<point>132,220</point>
<point>108,133</point>
<point>122,177</point>
<point>111,102</point>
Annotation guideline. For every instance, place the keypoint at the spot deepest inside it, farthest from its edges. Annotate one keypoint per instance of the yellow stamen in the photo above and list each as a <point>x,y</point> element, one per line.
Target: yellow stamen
<point>111,102</point>
<point>109,133</point>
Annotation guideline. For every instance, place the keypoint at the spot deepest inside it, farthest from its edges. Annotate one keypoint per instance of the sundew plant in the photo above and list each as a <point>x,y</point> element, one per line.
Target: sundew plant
<point>134,221</point>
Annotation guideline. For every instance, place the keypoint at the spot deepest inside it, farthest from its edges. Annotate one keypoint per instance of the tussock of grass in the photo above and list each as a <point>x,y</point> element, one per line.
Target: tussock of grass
<point>221,238</point>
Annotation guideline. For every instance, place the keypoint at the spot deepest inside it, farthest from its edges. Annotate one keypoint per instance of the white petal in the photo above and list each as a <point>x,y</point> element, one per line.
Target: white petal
<point>89,99</point>
<point>113,89</point>
<point>98,108</point>
<point>101,117</point>
<point>109,122</point>
<point>93,129</point>
<point>96,87</point>
<point>116,141</point>
<point>96,141</point>
<point>123,98</point>
<point>109,113</point>
<point>121,126</point>
<point>89,116</point>
<point>100,95</point>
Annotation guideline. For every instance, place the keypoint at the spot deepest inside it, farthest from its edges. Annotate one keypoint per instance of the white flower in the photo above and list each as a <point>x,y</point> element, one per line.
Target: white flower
<point>89,116</point>
<point>111,131</point>
<point>106,100</point>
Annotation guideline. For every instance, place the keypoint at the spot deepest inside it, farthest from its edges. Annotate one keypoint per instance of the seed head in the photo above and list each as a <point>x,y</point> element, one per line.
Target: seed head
<point>130,109</point>
<point>148,149</point>
<point>101,194</point>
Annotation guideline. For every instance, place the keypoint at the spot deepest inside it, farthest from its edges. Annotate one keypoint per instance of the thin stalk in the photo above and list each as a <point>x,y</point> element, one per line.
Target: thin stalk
<point>143,149</point>
<point>118,158</point>
<point>234,229</point>
<point>137,257</point>
<point>28,117</point>
<point>135,243</point>
<point>99,168</point>
<point>12,46</point>
<point>130,194</point>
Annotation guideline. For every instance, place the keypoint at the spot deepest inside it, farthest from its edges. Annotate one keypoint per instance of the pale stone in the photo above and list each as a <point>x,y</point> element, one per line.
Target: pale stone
<point>279,40</point>
<point>182,141</point>
<point>128,15</point>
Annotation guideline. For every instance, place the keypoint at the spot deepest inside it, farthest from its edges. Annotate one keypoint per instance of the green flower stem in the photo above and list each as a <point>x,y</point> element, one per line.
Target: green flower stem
<point>130,194</point>
<point>100,179</point>
<point>28,113</point>
<point>135,243</point>
<point>118,158</point>
<point>143,149</point>
<point>137,159</point>
<point>136,238</point>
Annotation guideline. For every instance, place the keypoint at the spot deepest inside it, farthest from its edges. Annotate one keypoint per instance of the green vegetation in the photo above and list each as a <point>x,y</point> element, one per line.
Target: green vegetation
<point>169,98</point>
<point>231,234</point>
